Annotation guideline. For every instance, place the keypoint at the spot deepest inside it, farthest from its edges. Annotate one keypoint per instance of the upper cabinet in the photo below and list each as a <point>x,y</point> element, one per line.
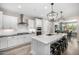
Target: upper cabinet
<point>31,24</point>
<point>9,22</point>
<point>1,15</point>
<point>39,22</point>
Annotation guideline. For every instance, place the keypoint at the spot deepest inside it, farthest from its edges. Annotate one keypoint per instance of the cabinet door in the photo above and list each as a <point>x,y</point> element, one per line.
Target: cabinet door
<point>10,21</point>
<point>3,43</point>
<point>1,14</point>
<point>12,41</point>
<point>31,24</point>
<point>39,22</point>
<point>27,38</point>
<point>20,39</point>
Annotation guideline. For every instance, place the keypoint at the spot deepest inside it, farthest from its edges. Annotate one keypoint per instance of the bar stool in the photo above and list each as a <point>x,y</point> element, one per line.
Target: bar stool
<point>64,44</point>
<point>55,48</point>
<point>61,46</point>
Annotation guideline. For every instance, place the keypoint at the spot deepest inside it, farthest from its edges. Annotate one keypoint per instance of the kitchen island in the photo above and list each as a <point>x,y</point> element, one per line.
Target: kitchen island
<point>41,45</point>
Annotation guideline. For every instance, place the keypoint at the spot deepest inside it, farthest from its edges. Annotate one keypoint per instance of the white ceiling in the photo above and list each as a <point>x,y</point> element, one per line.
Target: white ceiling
<point>41,9</point>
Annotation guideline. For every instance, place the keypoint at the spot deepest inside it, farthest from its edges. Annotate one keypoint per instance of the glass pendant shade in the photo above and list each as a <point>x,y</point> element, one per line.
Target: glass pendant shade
<point>52,15</point>
<point>61,17</point>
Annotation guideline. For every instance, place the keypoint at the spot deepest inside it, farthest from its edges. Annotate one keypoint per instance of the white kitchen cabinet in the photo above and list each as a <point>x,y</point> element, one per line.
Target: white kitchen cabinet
<point>45,26</point>
<point>39,22</point>
<point>27,38</point>
<point>9,22</point>
<point>20,39</point>
<point>12,41</point>
<point>3,43</point>
<point>1,15</point>
<point>31,24</point>
<point>23,39</point>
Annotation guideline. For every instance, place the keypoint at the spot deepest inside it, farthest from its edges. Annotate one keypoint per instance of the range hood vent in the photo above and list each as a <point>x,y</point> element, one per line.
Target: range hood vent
<point>21,19</point>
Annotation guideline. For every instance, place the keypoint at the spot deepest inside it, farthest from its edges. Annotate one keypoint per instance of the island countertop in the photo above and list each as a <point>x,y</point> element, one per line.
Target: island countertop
<point>49,39</point>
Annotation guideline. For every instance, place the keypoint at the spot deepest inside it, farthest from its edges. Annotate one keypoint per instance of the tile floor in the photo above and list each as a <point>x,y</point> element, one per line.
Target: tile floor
<point>73,48</point>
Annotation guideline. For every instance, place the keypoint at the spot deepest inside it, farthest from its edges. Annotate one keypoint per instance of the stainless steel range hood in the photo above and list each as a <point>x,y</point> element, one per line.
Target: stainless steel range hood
<point>21,19</point>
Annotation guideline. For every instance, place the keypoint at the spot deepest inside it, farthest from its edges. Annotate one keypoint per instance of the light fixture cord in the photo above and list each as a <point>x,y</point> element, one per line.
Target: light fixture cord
<point>52,6</point>
<point>61,13</point>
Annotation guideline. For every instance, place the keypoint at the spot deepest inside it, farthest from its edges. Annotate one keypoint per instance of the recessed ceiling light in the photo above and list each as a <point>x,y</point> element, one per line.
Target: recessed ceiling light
<point>45,7</point>
<point>19,6</point>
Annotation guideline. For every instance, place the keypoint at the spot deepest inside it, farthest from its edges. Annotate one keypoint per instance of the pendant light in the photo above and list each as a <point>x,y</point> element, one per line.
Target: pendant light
<point>61,17</point>
<point>52,15</point>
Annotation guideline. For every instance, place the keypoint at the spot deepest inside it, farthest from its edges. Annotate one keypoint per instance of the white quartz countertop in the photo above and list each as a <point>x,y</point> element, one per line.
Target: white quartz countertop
<point>48,39</point>
<point>12,32</point>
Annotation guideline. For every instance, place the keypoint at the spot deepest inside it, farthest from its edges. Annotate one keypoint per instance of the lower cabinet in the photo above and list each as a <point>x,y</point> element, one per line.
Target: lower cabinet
<point>19,40</point>
<point>3,43</point>
<point>13,41</point>
<point>27,38</point>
